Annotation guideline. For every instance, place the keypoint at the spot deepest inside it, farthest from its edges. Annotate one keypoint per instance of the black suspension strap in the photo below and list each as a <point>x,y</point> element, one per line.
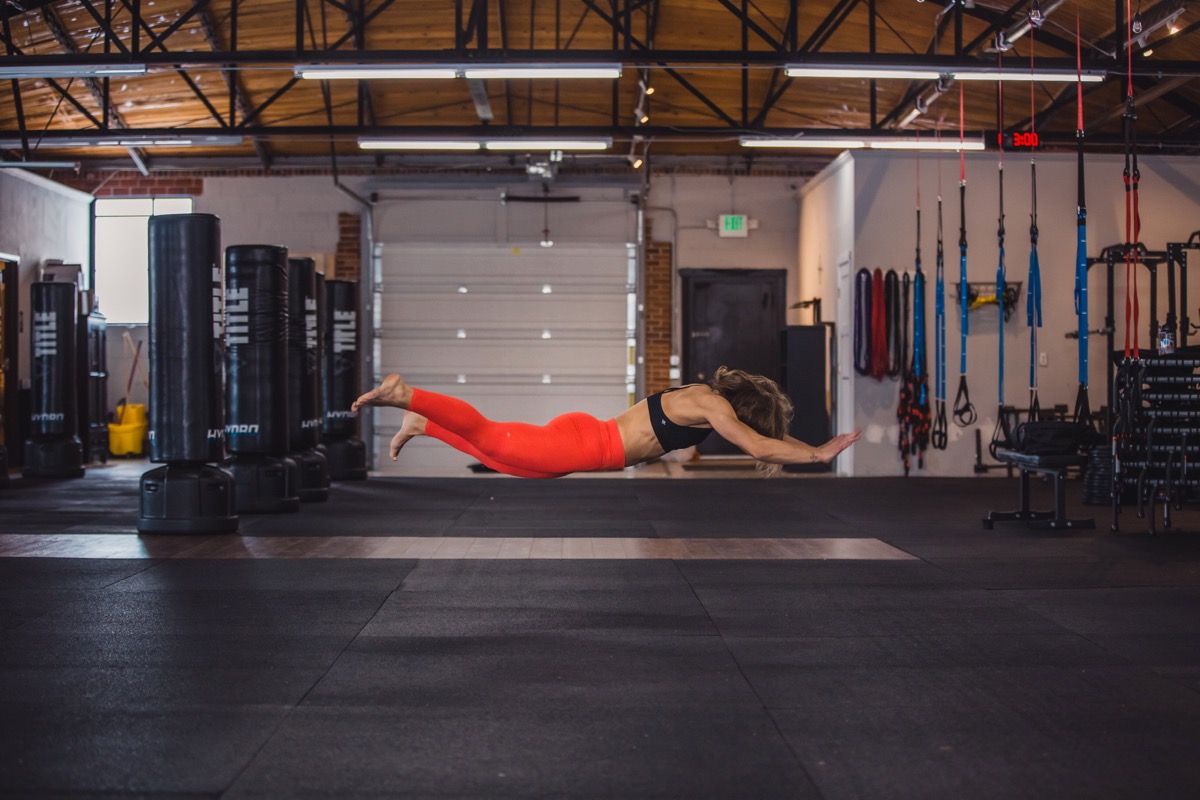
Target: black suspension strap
<point>862,322</point>
<point>1083,407</point>
<point>1033,287</point>
<point>964,412</point>
<point>891,293</point>
<point>938,429</point>
<point>879,337</point>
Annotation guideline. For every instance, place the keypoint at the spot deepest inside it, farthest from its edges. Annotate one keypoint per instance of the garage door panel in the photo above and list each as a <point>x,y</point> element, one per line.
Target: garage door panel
<point>405,311</point>
<point>578,362</point>
<point>505,262</point>
<point>521,334</point>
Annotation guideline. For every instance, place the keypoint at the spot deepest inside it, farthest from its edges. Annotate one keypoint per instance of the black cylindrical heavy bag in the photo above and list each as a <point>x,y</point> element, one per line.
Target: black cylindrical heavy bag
<point>340,378</point>
<point>304,416</point>
<point>187,348</point>
<point>55,411</point>
<point>256,373</point>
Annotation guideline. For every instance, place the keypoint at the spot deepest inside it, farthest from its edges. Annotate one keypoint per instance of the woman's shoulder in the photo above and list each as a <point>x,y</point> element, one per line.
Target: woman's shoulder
<point>698,401</point>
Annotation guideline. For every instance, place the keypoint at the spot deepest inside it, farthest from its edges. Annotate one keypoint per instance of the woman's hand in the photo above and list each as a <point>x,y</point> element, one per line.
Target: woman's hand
<point>829,451</point>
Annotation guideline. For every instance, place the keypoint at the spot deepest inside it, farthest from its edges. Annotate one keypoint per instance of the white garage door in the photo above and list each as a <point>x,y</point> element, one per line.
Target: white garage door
<point>521,333</point>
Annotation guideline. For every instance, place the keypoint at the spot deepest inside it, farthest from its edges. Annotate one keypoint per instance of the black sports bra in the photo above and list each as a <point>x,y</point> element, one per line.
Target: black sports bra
<point>670,435</point>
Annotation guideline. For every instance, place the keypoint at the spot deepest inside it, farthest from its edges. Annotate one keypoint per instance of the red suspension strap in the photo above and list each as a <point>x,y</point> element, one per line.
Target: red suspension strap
<point>1133,222</point>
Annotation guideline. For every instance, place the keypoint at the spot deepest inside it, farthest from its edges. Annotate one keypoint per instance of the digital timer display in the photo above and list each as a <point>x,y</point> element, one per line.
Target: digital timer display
<point>1018,139</point>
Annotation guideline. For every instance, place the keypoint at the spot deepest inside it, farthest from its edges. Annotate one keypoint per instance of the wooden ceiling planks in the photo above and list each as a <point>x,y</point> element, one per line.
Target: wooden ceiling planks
<point>692,94</point>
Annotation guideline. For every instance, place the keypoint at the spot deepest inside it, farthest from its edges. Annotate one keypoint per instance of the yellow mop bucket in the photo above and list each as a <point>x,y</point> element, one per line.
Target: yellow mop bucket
<point>127,436</point>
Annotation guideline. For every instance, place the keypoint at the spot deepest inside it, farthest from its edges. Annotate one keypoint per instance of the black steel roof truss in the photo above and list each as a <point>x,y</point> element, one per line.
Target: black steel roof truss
<point>682,81</point>
<point>750,25</point>
<point>99,94</point>
<point>816,40</point>
<point>995,24</point>
<point>110,35</point>
<point>828,26</point>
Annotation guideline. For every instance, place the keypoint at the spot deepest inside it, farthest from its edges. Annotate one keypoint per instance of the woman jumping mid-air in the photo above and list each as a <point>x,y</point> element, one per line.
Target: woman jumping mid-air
<point>750,411</point>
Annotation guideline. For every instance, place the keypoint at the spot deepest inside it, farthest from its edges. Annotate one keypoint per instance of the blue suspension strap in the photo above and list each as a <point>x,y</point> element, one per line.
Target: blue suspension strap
<point>1033,288</point>
<point>938,429</point>
<point>904,406</point>
<point>913,408</point>
<point>1083,407</point>
<point>964,412</point>
<point>1001,435</point>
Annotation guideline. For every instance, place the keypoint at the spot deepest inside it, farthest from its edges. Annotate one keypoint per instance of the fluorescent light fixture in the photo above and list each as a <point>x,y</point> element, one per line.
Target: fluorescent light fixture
<point>863,72</point>
<point>547,144</point>
<point>368,72</point>
<point>879,143</point>
<point>39,165</point>
<point>418,144</point>
<point>74,71</point>
<point>933,73</point>
<point>549,71</point>
<point>125,139</point>
<point>811,142</point>
<point>1018,74</point>
<point>954,145</point>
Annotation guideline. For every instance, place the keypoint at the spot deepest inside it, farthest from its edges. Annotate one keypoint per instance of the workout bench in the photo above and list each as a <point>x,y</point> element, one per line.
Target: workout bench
<point>1053,465</point>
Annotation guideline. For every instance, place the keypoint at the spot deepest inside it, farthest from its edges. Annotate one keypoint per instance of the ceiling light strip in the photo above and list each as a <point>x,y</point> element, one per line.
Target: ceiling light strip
<point>479,144</point>
<point>933,72</point>
<point>361,72</point>
<point>74,71</point>
<point>880,143</point>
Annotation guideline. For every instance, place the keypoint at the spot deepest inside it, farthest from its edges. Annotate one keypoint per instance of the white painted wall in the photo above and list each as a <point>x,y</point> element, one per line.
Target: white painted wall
<point>885,236</point>
<point>826,249</point>
<point>299,213</point>
<point>679,208</point>
<point>40,220</point>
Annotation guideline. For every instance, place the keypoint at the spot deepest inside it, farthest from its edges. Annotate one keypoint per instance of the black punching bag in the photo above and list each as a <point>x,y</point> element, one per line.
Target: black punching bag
<point>53,449</point>
<point>187,389</point>
<point>256,369</point>
<point>304,408</point>
<point>341,387</point>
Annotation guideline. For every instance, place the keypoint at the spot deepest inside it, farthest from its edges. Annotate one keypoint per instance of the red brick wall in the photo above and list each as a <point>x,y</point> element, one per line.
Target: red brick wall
<point>658,314</point>
<point>347,261</point>
<point>134,184</point>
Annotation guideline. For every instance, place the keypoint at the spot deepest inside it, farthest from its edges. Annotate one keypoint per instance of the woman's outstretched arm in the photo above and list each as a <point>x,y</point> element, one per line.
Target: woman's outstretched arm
<point>772,451</point>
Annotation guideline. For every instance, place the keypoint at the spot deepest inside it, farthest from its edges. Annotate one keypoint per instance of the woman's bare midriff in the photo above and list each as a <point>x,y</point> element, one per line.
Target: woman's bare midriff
<point>683,407</point>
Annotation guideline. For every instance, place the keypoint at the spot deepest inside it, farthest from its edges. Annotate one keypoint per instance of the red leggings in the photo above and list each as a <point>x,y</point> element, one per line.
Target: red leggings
<point>574,442</point>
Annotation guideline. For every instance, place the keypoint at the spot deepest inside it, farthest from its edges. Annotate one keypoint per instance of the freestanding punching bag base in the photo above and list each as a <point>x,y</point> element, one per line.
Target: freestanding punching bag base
<point>187,498</point>
<point>347,459</point>
<point>56,458</point>
<point>264,484</point>
<point>314,475</point>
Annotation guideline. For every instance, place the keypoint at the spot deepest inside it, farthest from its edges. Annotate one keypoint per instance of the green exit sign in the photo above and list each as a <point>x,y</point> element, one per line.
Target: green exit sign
<point>733,226</point>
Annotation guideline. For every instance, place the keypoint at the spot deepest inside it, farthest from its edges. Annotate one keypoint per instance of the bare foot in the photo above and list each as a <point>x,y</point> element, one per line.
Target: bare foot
<point>392,392</point>
<point>413,425</point>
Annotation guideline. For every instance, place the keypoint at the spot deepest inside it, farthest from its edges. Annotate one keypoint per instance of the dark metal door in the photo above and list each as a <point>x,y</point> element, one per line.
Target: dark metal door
<point>732,317</point>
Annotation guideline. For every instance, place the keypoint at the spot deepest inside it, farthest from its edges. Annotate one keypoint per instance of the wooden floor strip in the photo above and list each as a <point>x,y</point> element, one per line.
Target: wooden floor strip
<point>119,545</point>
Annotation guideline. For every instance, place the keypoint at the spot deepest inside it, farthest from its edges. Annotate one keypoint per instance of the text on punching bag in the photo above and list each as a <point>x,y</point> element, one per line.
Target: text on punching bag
<point>345,331</point>
<point>217,306</point>
<point>45,333</point>
<point>237,316</point>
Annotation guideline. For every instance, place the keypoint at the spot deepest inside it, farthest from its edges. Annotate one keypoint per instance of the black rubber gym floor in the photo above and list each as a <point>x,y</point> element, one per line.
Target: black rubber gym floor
<point>995,664</point>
